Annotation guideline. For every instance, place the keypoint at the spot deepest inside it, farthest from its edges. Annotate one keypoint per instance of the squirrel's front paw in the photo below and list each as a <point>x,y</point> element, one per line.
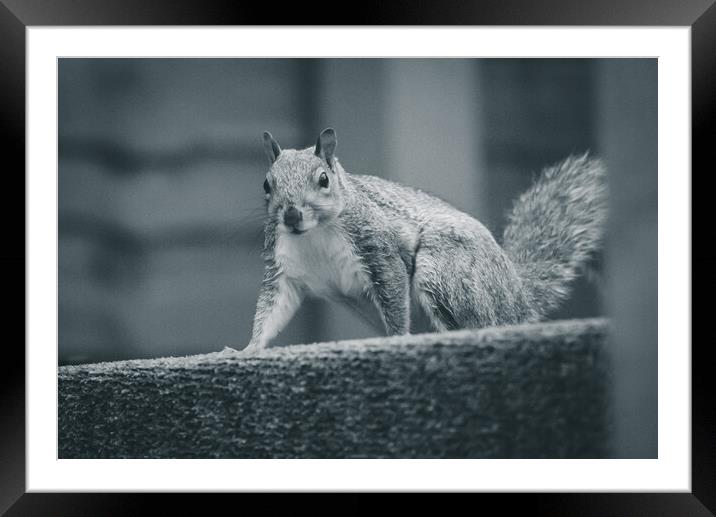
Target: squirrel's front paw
<point>253,346</point>
<point>228,350</point>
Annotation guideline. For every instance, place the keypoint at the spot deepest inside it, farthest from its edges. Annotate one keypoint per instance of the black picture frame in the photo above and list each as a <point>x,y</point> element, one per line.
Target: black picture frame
<point>17,15</point>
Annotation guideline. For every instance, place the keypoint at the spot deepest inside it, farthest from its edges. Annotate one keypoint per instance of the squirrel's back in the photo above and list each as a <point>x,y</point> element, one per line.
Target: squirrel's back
<point>409,203</point>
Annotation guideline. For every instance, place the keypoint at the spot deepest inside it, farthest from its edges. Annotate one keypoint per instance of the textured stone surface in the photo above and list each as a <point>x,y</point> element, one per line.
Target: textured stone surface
<point>525,391</point>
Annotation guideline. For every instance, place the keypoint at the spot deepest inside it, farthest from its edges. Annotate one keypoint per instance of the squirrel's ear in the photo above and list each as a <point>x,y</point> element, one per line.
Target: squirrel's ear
<point>326,145</point>
<point>271,147</point>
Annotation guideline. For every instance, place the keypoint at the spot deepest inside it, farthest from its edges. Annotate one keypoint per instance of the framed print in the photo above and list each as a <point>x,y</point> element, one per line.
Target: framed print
<point>166,151</point>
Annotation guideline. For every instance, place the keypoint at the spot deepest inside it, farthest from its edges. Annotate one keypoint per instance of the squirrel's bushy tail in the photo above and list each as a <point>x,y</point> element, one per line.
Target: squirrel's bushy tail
<point>555,227</point>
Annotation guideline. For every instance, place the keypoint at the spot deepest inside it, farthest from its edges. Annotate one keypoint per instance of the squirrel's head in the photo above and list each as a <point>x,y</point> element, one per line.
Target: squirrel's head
<point>303,188</point>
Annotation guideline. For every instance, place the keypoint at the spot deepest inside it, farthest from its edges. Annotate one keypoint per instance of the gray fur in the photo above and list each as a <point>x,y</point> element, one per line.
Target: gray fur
<point>415,247</point>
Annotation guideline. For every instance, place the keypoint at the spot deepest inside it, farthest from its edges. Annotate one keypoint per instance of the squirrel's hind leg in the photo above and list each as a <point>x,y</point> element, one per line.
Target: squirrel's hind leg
<point>455,285</point>
<point>432,290</point>
<point>433,304</point>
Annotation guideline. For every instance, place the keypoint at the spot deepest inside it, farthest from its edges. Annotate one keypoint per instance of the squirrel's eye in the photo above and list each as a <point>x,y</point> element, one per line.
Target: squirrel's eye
<point>323,180</point>
<point>267,187</point>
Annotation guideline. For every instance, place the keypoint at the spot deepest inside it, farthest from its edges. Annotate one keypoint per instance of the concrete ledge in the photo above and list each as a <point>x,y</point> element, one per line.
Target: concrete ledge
<point>527,391</point>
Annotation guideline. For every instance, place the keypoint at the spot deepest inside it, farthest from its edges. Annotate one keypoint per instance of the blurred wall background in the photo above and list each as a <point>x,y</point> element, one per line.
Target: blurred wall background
<point>161,166</point>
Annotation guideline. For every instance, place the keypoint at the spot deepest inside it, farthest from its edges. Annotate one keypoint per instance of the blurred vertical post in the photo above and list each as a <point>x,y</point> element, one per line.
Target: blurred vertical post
<point>433,134</point>
<point>627,115</point>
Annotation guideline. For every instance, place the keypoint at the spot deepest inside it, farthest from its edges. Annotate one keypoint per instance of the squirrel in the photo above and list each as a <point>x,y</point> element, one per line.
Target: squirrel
<point>383,247</point>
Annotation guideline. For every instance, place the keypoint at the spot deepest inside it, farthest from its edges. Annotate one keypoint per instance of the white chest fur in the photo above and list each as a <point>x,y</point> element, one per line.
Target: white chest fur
<point>323,262</point>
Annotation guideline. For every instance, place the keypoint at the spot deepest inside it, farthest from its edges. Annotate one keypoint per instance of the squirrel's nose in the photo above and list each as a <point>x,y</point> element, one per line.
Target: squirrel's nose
<point>292,216</point>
